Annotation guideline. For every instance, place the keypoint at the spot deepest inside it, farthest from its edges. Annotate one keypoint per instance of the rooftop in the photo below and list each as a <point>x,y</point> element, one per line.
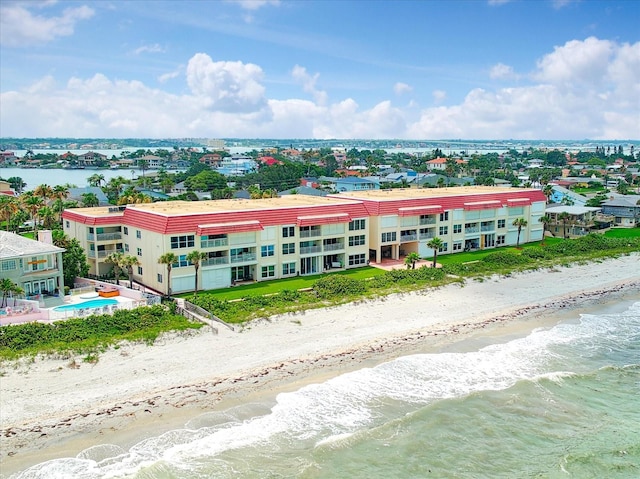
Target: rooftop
<point>180,208</point>
<point>413,193</point>
<point>13,246</point>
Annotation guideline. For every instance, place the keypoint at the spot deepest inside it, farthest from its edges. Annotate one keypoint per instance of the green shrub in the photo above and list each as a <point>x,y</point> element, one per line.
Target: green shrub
<point>338,286</point>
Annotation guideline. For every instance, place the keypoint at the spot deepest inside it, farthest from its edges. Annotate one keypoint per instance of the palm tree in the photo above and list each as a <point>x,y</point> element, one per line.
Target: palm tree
<point>60,193</point>
<point>548,191</point>
<point>519,223</point>
<point>411,259</point>
<point>95,179</point>
<point>564,217</point>
<point>168,259</point>
<point>44,191</point>
<point>195,257</point>
<point>116,260</point>
<point>9,206</point>
<point>435,244</point>
<point>128,262</point>
<point>32,203</point>
<point>47,216</point>
<point>89,200</point>
<point>8,287</point>
<point>545,220</point>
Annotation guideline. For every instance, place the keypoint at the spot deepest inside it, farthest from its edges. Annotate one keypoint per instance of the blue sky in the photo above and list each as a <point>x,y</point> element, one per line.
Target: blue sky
<point>482,69</point>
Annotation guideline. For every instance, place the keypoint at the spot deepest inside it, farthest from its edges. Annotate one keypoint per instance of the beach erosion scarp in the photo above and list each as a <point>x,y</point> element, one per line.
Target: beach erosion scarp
<point>53,407</point>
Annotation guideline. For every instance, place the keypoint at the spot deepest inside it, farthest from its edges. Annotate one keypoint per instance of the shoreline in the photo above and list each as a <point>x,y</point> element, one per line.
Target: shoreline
<point>57,407</point>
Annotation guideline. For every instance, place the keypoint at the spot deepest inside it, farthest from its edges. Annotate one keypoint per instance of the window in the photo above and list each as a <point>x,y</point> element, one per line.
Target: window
<point>186,241</point>
<point>457,246</point>
<point>500,239</point>
<point>8,265</point>
<point>444,216</point>
<point>125,230</point>
<point>288,268</point>
<point>213,241</point>
<point>356,259</point>
<point>268,271</point>
<point>126,247</point>
<point>182,261</point>
<point>288,248</point>
<point>443,230</point>
<point>159,278</point>
<point>267,250</point>
<point>457,229</point>
<point>387,237</point>
<point>445,248</point>
<point>140,270</point>
<point>501,223</point>
<point>356,240</point>
<point>66,224</point>
<point>357,225</point>
<point>139,251</point>
<point>138,234</point>
<point>288,231</point>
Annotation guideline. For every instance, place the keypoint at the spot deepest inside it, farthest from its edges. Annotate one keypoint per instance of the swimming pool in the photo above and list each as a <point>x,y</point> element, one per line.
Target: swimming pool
<point>94,303</point>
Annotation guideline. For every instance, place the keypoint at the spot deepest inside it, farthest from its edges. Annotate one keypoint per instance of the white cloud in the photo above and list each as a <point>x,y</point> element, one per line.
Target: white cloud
<point>155,48</point>
<point>583,89</point>
<point>401,88</point>
<point>165,77</point>
<point>254,4</point>
<point>501,71</point>
<point>226,86</point>
<point>19,27</point>
<point>439,96</point>
<point>309,84</point>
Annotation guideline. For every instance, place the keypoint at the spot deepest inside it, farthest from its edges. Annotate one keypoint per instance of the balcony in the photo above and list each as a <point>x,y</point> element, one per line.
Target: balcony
<point>243,258</point>
<point>407,238</point>
<point>108,236</point>
<point>473,229</point>
<point>216,243</point>
<point>310,234</point>
<point>310,249</point>
<point>426,236</point>
<point>334,247</point>
<point>217,261</point>
<point>486,229</point>
<point>427,221</point>
<point>103,254</point>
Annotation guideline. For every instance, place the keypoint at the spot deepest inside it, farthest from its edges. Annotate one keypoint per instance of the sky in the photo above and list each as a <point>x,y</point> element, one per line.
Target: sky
<point>366,69</point>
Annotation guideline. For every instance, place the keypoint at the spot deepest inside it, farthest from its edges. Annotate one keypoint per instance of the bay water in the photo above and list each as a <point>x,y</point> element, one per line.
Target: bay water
<point>562,402</point>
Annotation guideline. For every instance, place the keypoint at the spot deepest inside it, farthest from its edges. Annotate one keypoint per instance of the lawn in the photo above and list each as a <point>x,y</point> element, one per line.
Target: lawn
<point>262,288</point>
<point>460,258</point>
<point>623,233</point>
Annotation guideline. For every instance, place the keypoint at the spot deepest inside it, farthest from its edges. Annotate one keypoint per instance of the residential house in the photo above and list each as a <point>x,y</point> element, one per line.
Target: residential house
<point>578,220</point>
<point>212,160</point>
<point>35,266</point>
<point>624,208</point>
<point>90,158</point>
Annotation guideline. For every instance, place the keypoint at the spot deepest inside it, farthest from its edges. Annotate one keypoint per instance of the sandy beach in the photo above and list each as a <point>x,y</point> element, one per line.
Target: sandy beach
<point>56,407</point>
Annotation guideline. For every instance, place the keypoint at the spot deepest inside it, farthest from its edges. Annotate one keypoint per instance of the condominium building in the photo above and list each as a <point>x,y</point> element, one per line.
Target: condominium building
<point>299,235</point>
<point>402,221</point>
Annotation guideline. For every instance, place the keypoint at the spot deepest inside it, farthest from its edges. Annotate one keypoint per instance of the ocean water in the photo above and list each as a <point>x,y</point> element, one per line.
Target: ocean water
<point>562,402</point>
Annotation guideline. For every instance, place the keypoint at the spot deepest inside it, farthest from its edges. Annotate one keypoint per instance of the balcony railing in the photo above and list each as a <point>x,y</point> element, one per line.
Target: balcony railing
<point>334,247</point>
<point>487,228</point>
<point>216,243</point>
<point>427,221</point>
<point>215,261</point>
<point>243,258</point>
<point>474,229</point>
<point>109,236</point>
<point>103,254</point>
<point>425,236</point>
<point>310,249</point>
<point>310,234</point>
<point>407,238</point>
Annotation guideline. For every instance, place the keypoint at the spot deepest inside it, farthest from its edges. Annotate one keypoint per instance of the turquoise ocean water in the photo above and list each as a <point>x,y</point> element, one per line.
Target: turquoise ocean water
<point>562,402</point>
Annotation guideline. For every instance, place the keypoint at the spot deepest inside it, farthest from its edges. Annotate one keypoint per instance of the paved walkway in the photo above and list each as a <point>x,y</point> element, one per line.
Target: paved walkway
<point>389,264</point>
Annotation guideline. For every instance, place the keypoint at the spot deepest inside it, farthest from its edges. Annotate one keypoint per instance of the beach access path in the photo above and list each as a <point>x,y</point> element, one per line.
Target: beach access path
<point>56,407</point>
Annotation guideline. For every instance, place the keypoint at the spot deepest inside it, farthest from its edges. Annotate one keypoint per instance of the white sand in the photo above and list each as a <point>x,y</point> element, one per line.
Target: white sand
<point>56,407</point>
